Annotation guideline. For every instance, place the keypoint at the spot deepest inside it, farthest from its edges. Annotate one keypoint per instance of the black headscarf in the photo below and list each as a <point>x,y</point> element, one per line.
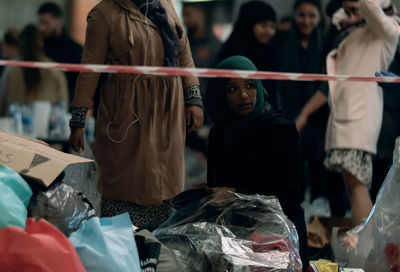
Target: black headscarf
<point>156,12</point>
<point>233,125</point>
<point>242,40</point>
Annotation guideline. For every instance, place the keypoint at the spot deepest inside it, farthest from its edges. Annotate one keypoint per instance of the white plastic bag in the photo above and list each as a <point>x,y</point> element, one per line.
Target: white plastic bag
<point>379,241</point>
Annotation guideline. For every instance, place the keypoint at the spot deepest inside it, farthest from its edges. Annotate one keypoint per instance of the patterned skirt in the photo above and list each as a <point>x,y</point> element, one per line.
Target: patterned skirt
<point>141,215</point>
<point>356,162</point>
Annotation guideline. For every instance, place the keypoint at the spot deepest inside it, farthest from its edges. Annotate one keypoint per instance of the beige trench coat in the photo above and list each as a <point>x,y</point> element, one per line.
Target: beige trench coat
<point>140,133</point>
<point>357,107</point>
<point>53,87</point>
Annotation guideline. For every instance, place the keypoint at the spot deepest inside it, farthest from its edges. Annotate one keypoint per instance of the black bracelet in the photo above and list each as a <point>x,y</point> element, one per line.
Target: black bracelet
<point>193,96</point>
<point>78,118</point>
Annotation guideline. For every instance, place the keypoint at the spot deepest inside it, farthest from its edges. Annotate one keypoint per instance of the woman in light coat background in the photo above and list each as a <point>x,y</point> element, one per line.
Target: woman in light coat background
<point>27,85</point>
<point>356,107</point>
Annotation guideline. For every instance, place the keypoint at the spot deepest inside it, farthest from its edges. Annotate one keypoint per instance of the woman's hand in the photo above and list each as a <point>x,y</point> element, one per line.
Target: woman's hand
<point>215,190</point>
<point>76,139</point>
<point>386,85</point>
<point>301,122</point>
<point>316,102</point>
<point>194,117</point>
<point>223,196</point>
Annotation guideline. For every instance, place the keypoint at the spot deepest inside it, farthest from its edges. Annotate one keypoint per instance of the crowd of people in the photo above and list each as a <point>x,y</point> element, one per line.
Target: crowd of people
<point>267,137</point>
<point>46,42</point>
<point>339,141</point>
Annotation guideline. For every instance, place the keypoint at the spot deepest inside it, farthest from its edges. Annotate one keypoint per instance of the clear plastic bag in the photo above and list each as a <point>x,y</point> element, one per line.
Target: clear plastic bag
<point>379,240</point>
<point>84,177</point>
<point>232,232</point>
<point>319,207</point>
<point>62,206</point>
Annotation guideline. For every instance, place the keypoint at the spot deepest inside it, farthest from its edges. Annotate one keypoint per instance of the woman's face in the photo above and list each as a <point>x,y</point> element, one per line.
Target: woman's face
<point>9,52</point>
<point>352,9</point>
<point>241,95</point>
<point>264,31</point>
<point>307,18</point>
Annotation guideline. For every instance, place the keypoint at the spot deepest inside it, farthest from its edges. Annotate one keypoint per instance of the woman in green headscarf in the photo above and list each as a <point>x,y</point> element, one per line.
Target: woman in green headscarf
<point>253,148</point>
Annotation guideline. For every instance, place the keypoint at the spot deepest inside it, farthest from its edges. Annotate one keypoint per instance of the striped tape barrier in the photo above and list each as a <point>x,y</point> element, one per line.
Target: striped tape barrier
<point>198,72</point>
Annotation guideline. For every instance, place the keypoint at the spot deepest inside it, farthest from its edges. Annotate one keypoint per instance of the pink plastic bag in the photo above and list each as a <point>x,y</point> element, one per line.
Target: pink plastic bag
<point>40,247</point>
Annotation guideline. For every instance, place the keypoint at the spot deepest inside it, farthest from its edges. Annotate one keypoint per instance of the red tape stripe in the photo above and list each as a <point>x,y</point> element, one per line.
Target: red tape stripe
<point>198,72</point>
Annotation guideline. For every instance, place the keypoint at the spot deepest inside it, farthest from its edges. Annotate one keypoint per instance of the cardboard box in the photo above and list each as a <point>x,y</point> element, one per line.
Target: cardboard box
<point>319,229</point>
<point>34,159</point>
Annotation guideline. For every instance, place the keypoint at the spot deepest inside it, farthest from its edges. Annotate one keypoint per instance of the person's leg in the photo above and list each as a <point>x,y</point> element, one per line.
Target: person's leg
<point>360,200</point>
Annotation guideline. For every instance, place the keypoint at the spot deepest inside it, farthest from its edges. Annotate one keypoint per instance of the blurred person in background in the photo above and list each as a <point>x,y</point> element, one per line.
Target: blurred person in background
<point>301,52</point>
<point>27,85</point>
<point>252,37</point>
<point>9,51</point>
<point>203,43</point>
<point>371,32</point>
<point>9,45</point>
<point>58,45</point>
<point>285,24</point>
<point>204,47</point>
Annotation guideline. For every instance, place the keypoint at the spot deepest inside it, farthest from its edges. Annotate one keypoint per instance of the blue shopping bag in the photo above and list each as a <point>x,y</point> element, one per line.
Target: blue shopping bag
<point>107,244</point>
<point>15,194</point>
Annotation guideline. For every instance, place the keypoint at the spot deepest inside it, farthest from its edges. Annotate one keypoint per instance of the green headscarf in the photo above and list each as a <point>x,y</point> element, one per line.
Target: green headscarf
<point>215,99</point>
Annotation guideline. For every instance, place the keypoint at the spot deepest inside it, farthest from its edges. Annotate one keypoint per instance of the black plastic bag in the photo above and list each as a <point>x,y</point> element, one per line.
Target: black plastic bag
<point>62,206</point>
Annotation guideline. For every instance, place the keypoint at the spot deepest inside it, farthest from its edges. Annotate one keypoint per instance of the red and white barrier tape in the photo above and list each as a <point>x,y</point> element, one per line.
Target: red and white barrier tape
<point>198,72</point>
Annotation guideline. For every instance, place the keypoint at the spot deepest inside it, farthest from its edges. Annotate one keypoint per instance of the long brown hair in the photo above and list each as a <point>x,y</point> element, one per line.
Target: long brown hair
<point>31,47</point>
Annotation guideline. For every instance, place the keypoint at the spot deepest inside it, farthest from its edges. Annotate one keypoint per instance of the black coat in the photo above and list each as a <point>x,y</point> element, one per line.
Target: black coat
<point>64,50</point>
<point>265,160</point>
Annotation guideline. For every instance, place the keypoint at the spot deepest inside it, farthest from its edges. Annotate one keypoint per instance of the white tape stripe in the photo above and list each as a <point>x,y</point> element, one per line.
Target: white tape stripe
<point>199,72</point>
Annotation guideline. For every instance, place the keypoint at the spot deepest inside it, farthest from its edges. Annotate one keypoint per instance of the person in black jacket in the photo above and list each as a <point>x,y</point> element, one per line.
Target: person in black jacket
<point>57,44</point>
<point>253,148</point>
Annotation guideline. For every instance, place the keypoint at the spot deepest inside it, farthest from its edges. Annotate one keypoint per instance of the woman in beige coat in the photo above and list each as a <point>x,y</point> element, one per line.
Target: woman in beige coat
<point>140,132</point>
<point>356,107</point>
<point>25,86</point>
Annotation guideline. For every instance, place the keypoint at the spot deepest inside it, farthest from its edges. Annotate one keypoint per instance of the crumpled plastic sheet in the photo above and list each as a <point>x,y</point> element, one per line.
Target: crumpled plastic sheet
<point>232,232</point>
<point>62,206</point>
<point>84,177</point>
<point>378,243</point>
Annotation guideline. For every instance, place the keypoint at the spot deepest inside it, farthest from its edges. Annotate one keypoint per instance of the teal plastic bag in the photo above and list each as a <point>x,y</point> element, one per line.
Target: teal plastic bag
<point>15,194</point>
<point>107,244</point>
